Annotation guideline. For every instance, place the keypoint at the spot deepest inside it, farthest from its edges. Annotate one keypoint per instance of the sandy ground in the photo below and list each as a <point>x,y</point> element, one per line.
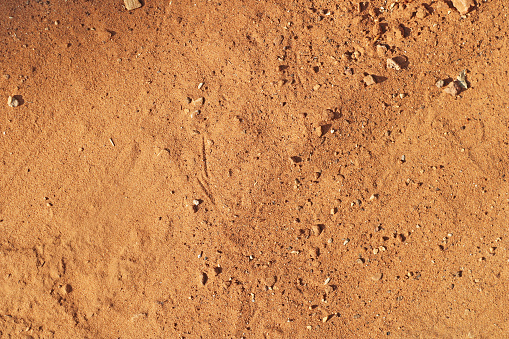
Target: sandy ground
<point>254,169</point>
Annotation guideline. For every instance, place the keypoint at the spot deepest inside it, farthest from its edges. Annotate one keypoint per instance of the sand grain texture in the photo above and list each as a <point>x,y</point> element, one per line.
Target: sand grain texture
<point>171,172</point>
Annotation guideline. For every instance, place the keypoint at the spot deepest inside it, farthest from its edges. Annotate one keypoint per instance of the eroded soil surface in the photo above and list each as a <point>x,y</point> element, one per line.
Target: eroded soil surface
<point>254,169</point>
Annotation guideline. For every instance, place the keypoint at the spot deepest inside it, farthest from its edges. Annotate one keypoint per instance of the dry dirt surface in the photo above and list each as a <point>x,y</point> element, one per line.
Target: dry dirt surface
<point>254,169</point>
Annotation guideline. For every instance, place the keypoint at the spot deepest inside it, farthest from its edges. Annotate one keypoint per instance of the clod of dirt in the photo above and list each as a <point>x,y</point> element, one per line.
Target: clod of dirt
<point>12,102</point>
<point>463,6</point>
<point>132,4</point>
<point>453,88</point>
<point>391,63</point>
<point>369,80</point>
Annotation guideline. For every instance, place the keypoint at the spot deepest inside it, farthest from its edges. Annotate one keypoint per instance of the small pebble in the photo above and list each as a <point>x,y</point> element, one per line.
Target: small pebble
<point>421,13</point>
<point>316,87</point>
<point>391,63</point>
<point>326,318</point>
<point>463,6</point>
<point>369,80</point>
<point>314,252</point>
<point>12,102</point>
<point>376,276</point>
<point>439,83</point>
<point>202,278</point>
<point>453,88</point>
<point>462,80</point>
<point>381,50</point>
<point>132,4</point>
<point>329,289</point>
<point>316,229</point>
<point>198,102</point>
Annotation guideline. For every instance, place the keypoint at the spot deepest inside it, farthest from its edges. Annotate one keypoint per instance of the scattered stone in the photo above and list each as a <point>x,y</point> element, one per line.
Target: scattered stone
<point>322,129</point>
<point>453,88</point>
<point>348,71</point>
<point>198,102</point>
<point>373,197</point>
<point>421,13</point>
<point>399,32</point>
<point>200,85</point>
<point>381,50</point>
<point>316,87</point>
<point>132,4</point>
<point>462,80</point>
<point>439,83</point>
<point>314,252</point>
<point>463,6</point>
<point>326,318</point>
<point>202,278</point>
<point>391,63</point>
<point>369,80</point>
<point>316,229</point>
<point>326,281</point>
<point>295,159</point>
<point>12,102</point>
<point>271,281</point>
<point>329,289</point>
<point>377,276</point>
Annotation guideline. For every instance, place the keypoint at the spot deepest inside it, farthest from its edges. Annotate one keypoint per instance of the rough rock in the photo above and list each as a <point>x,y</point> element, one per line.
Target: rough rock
<point>453,88</point>
<point>132,4</point>
<point>369,80</point>
<point>463,6</point>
